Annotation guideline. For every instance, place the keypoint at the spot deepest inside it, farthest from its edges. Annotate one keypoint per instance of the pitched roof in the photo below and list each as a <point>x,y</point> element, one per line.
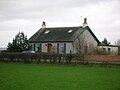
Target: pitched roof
<point>59,34</point>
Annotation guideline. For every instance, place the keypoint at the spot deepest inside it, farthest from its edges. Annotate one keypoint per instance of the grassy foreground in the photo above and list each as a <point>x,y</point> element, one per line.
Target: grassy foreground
<point>14,76</point>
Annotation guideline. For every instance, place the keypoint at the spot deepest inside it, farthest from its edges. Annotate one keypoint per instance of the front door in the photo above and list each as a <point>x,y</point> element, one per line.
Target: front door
<point>49,47</point>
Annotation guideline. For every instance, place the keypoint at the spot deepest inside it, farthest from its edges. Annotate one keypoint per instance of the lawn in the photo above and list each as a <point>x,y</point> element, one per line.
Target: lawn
<point>16,76</point>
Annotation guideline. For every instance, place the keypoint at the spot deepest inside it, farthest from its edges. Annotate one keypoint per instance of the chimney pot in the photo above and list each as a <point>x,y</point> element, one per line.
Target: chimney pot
<point>85,22</point>
<point>43,25</point>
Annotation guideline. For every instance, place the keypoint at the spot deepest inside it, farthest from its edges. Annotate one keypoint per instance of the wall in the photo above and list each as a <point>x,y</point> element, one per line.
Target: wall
<point>69,47</point>
<point>113,49</point>
<point>102,58</point>
<point>90,40</point>
<point>85,43</point>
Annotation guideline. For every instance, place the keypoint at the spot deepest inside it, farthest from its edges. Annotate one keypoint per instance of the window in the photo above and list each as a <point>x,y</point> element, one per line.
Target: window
<point>104,49</point>
<point>46,32</point>
<point>39,48</point>
<point>34,47</point>
<point>70,31</point>
<point>109,49</point>
<point>57,48</point>
<point>62,48</point>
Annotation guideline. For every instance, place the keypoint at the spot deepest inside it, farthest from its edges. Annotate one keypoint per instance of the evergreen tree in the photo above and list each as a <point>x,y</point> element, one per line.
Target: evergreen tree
<point>105,42</point>
<point>19,44</point>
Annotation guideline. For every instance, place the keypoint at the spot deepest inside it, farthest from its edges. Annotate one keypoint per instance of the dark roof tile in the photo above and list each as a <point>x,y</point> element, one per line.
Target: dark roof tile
<point>60,34</point>
<point>56,34</point>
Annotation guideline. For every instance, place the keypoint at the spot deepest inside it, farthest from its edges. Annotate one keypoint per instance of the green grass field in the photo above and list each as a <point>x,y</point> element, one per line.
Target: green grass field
<point>16,76</point>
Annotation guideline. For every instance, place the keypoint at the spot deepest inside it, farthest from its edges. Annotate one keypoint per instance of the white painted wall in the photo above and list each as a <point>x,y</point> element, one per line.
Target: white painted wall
<point>90,40</point>
<point>113,49</point>
<point>44,47</point>
<point>69,47</point>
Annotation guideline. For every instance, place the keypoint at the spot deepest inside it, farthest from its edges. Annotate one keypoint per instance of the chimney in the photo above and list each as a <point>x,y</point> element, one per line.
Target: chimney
<point>43,25</point>
<point>85,23</point>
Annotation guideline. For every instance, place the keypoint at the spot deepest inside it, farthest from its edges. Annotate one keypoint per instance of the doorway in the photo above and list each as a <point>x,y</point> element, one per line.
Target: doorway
<point>49,47</point>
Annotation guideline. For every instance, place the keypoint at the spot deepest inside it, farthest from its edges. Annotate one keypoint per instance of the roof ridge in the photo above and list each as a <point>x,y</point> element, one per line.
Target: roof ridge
<point>65,27</point>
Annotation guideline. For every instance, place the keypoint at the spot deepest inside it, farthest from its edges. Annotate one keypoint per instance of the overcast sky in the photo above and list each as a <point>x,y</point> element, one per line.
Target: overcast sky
<point>103,17</point>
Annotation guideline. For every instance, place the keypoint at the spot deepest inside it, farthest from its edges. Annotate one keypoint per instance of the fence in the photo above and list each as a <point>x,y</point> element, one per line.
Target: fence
<point>57,58</point>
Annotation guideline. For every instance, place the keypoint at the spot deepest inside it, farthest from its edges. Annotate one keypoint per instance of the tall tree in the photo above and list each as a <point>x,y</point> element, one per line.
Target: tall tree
<point>117,42</point>
<point>19,43</point>
<point>105,42</point>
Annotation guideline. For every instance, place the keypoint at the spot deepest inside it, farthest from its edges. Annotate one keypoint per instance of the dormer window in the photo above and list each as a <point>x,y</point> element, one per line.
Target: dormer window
<point>46,32</point>
<point>70,31</point>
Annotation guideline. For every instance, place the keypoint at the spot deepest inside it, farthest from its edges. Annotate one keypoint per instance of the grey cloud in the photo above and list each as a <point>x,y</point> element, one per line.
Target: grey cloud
<point>36,9</point>
<point>11,9</point>
<point>103,15</point>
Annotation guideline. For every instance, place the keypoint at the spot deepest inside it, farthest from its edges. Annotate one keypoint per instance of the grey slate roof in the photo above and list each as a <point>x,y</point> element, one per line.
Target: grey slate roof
<point>59,34</point>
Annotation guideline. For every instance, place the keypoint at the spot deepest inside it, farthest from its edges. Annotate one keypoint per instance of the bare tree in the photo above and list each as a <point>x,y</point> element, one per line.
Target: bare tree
<point>79,45</point>
<point>117,42</point>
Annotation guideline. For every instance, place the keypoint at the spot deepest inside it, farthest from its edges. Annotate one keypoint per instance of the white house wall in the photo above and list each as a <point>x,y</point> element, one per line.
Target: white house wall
<point>90,40</point>
<point>69,47</point>
<point>113,49</point>
<point>44,47</point>
<point>87,40</point>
